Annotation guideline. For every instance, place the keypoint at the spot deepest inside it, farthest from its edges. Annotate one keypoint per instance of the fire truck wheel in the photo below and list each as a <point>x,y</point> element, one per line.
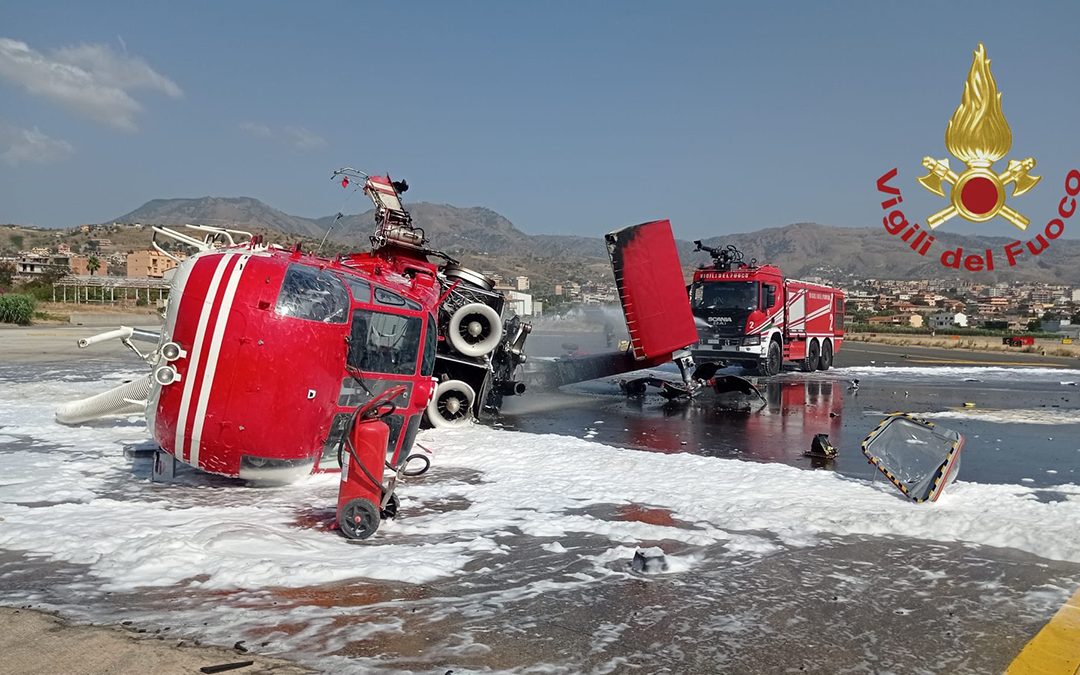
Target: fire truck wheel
<point>825,362</point>
<point>358,519</point>
<point>810,363</point>
<point>774,360</point>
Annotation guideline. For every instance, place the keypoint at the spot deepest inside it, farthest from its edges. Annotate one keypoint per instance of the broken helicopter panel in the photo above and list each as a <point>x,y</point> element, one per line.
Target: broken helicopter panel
<point>649,279</point>
<point>917,456</point>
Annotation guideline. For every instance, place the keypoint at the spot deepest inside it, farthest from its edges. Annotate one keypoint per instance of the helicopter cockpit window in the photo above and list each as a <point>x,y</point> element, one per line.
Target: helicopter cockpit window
<point>384,343</point>
<point>385,297</point>
<point>361,290</point>
<point>427,366</point>
<point>312,294</point>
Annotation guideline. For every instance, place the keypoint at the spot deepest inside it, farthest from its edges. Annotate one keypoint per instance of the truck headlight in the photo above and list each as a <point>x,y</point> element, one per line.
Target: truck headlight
<point>752,340</point>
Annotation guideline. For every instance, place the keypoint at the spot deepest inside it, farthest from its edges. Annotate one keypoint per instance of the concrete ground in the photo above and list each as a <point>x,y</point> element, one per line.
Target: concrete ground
<point>857,353</point>
<point>981,343</point>
<point>51,343</point>
<point>40,643</point>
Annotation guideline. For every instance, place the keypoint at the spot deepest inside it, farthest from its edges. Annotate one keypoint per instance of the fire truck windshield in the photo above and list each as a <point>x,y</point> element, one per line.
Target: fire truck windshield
<point>726,295</point>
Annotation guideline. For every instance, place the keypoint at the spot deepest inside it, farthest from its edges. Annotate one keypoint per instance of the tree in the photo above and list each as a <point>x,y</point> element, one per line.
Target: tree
<point>17,241</point>
<point>93,264</point>
<point>7,273</point>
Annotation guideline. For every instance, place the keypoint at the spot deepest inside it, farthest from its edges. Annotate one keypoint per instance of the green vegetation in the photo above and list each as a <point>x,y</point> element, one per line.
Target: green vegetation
<point>952,330</point>
<point>17,309</point>
<point>7,275</point>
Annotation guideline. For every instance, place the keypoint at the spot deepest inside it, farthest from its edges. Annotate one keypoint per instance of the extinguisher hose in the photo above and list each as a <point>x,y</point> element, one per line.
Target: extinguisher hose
<point>346,442</point>
<point>378,408</point>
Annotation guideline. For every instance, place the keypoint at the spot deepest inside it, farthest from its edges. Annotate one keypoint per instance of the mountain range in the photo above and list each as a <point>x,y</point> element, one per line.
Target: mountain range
<point>485,239</point>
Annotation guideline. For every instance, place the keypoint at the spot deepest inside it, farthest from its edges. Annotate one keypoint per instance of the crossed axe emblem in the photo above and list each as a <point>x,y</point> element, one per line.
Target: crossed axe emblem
<point>978,194</point>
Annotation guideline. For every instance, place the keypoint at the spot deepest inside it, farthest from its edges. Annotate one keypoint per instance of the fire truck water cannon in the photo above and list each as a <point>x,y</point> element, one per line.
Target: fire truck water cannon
<point>724,258</point>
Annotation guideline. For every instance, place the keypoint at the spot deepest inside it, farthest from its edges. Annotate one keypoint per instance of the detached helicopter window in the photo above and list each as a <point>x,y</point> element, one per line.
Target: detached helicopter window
<point>727,295</point>
<point>315,295</point>
<point>385,297</point>
<point>384,343</point>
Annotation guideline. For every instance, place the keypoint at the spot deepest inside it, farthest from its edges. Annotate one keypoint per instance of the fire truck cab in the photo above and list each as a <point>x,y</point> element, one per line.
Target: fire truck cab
<point>753,316</point>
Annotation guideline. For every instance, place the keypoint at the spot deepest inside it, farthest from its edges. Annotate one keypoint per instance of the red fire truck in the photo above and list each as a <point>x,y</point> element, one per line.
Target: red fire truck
<point>753,316</point>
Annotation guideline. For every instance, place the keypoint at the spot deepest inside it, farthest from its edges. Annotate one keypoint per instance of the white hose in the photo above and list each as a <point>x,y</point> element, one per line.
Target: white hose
<point>125,399</point>
<point>123,333</point>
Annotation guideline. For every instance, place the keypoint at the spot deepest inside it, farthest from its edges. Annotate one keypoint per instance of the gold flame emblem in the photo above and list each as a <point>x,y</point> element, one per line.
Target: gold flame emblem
<point>978,135</point>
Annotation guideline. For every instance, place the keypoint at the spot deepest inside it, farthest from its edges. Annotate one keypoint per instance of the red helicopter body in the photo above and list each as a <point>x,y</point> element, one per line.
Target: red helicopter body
<point>281,346</point>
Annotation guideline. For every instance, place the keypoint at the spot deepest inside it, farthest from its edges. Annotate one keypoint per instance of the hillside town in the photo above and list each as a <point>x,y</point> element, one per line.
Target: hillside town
<point>111,263</point>
<point>943,305</point>
<point>95,268</point>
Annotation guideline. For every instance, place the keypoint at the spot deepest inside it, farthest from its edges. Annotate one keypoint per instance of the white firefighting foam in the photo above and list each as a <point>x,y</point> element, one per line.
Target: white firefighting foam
<point>70,495</point>
<point>1053,376</point>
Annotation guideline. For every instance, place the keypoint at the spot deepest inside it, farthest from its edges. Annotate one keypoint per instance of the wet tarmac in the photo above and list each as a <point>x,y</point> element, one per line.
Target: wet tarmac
<point>982,407</point>
<point>847,603</point>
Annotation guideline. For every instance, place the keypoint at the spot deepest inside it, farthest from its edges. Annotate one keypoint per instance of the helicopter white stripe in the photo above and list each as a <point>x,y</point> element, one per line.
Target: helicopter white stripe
<point>212,357</point>
<point>196,353</point>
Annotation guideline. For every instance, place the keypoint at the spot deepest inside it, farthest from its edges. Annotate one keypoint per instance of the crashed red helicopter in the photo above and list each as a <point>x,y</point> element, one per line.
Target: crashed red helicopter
<point>273,363</point>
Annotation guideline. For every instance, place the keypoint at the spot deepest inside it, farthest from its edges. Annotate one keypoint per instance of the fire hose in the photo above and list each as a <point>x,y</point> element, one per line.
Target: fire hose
<point>125,399</point>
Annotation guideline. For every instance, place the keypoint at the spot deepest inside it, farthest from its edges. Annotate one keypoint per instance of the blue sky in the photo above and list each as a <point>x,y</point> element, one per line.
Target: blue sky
<point>567,117</point>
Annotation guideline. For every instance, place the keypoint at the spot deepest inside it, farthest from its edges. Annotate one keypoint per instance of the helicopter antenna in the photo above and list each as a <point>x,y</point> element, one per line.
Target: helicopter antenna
<point>346,176</point>
<point>338,217</point>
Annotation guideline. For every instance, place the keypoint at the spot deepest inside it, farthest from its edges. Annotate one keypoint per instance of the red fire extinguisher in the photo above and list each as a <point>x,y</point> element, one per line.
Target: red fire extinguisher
<point>361,494</point>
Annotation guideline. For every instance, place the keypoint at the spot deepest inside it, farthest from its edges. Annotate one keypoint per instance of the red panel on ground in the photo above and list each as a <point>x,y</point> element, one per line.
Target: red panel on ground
<point>652,290</point>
